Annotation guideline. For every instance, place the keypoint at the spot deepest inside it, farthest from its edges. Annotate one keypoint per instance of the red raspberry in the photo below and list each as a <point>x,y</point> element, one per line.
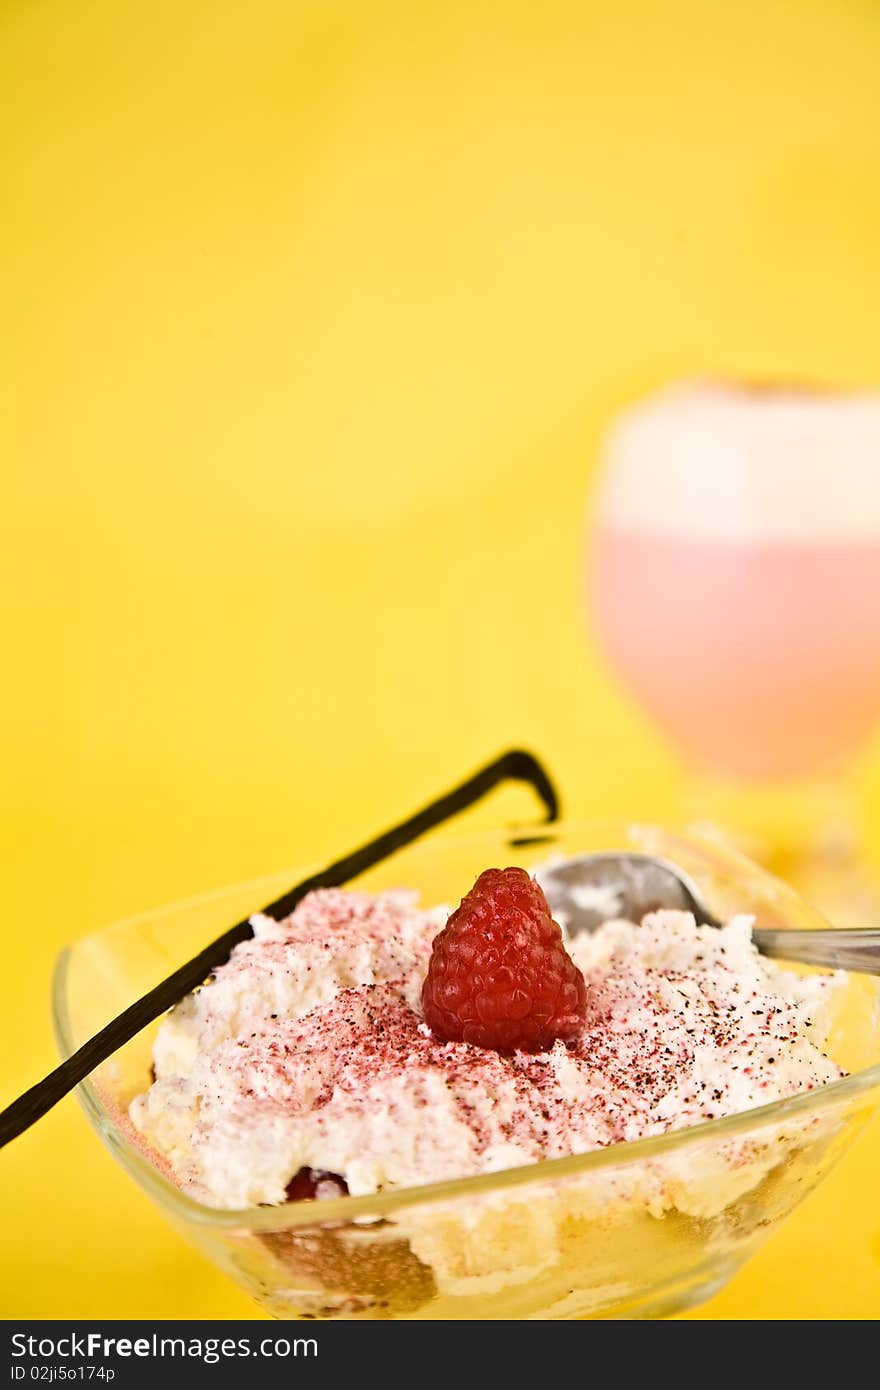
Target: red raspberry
<point>499,974</point>
<point>308,1183</point>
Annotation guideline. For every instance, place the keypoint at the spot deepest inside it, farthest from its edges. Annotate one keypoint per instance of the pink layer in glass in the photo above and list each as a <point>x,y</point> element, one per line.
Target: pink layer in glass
<point>760,659</point>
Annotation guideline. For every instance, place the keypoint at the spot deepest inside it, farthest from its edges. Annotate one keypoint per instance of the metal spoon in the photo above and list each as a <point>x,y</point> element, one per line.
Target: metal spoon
<point>588,889</point>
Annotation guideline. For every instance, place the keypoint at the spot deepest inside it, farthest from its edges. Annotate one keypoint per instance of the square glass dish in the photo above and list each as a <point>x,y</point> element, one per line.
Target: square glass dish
<point>641,1229</point>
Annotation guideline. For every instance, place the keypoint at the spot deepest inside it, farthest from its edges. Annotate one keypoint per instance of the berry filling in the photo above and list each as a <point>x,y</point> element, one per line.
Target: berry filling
<point>311,1183</point>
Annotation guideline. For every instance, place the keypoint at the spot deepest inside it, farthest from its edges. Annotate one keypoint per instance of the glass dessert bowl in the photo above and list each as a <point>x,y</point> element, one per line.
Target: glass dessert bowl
<point>638,1229</point>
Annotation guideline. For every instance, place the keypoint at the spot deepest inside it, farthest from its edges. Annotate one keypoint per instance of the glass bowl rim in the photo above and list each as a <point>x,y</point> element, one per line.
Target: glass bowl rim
<point>384,1204</point>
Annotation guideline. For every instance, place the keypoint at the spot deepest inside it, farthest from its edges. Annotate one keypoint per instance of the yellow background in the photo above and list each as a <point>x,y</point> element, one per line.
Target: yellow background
<point>312,316</point>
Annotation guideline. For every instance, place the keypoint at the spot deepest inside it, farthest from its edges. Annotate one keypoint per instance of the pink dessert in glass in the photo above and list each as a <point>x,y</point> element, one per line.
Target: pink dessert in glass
<point>735,576</point>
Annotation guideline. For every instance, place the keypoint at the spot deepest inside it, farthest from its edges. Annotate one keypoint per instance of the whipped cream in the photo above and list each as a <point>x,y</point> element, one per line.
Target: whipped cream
<point>779,465</point>
<point>308,1049</point>
<point>333,940</point>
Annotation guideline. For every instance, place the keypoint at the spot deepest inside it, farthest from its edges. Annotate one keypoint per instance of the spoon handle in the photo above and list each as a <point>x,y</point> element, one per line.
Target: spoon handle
<point>837,949</point>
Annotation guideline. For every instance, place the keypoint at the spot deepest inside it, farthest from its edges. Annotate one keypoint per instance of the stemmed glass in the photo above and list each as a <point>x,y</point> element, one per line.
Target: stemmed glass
<point>734,579</point>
